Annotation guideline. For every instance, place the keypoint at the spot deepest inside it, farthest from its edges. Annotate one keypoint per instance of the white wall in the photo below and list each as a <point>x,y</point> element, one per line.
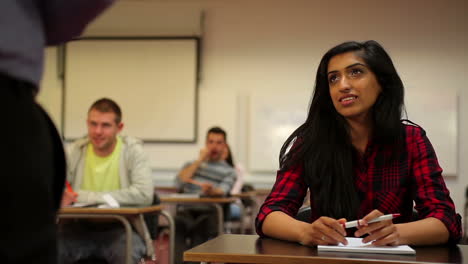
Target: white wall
<point>268,46</point>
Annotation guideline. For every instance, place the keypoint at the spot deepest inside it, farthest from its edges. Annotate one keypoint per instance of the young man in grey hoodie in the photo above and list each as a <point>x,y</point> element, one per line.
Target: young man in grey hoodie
<point>105,163</point>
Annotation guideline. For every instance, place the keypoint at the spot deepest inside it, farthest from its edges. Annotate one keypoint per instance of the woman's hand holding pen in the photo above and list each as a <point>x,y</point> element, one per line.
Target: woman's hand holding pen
<point>382,233</point>
<point>325,231</point>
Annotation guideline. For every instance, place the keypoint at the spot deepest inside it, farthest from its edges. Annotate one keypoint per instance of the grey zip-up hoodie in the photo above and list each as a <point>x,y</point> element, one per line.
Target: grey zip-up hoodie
<point>135,174</point>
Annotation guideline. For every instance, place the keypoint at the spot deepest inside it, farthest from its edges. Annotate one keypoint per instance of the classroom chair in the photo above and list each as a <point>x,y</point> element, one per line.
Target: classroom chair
<point>464,239</point>
<point>232,223</point>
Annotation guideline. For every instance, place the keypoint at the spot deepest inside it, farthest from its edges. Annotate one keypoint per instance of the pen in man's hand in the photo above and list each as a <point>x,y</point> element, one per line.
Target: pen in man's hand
<point>69,188</point>
<point>377,219</point>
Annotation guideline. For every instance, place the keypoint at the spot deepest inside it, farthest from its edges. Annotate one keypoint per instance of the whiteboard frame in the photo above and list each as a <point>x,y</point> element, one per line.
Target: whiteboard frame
<point>198,50</point>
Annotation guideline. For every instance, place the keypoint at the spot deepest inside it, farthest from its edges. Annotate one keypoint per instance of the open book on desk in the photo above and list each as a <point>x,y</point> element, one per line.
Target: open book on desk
<point>356,245</point>
<point>83,205</point>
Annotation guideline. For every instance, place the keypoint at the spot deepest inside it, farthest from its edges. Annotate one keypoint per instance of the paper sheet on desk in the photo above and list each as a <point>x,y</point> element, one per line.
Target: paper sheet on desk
<point>83,205</point>
<point>356,245</point>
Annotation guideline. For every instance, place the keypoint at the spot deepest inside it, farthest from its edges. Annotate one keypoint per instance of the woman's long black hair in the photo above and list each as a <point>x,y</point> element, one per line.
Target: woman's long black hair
<point>323,143</point>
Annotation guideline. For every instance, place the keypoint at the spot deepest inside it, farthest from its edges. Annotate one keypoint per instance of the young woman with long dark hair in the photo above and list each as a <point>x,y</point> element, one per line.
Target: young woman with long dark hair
<point>360,161</point>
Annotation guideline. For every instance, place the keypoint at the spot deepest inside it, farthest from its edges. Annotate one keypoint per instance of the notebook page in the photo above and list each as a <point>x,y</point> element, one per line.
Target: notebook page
<point>356,245</point>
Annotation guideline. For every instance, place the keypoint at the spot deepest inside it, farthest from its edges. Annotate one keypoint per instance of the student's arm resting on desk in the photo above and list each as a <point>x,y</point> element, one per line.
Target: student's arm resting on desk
<point>428,231</point>
<point>224,187</point>
<point>286,196</point>
<point>276,215</point>
<point>440,223</point>
<point>323,231</point>
<point>385,233</point>
<point>66,19</point>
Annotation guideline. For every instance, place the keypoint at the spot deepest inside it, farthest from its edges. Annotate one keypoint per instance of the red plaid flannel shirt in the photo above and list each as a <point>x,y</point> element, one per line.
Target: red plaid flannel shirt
<point>390,187</point>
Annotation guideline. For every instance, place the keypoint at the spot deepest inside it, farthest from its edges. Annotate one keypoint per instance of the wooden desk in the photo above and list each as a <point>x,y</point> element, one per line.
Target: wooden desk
<point>248,194</point>
<point>230,248</point>
<point>127,216</point>
<point>263,191</point>
<point>119,211</point>
<point>212,201</point>
<point>165,189</point>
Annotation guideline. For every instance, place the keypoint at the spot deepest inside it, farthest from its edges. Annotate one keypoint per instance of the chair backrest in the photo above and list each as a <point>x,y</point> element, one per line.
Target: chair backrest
<point>304,214</point>
<point>151,220</point>
<point>247,201</point>
<point>415,215</point>
<point>465,216</point>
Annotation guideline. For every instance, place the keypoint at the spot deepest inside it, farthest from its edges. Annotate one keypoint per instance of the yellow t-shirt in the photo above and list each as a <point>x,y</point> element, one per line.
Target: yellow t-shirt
<point>101,174</point>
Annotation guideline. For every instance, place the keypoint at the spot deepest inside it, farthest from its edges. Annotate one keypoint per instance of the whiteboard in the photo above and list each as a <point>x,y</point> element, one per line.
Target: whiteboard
<point>153,80</point>
<point>275,115</point>
<point>50,93</point>
<point>171,157</point>
<point>437,114</point>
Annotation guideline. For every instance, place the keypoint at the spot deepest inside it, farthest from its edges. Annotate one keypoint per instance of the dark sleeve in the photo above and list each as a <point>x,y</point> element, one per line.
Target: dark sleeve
<point>66,19</point>
<point>432,196</point>
<point>286,196</point>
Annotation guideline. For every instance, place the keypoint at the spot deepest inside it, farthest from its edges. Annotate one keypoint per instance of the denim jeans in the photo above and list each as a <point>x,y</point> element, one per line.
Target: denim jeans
<point>80,240</point>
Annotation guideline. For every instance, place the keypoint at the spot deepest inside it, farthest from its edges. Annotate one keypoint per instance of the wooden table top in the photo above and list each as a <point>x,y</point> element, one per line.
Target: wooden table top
<point>263,191</point>
<point>230,248</point>
<point>170,189</point>
<point>245,194</point>
<point>175,199</point>
<point>117,211</point>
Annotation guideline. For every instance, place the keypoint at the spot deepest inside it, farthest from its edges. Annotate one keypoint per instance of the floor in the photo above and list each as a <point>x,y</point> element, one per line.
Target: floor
<point>161,246</point>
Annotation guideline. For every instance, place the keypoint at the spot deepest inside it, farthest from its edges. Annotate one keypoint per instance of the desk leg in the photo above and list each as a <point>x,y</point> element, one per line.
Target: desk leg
<point>123,220</point>
<point>255,209</point>
<point>242,218</point>
<point>139,223</point>
<point>171,224</point>
<point>219,211</point>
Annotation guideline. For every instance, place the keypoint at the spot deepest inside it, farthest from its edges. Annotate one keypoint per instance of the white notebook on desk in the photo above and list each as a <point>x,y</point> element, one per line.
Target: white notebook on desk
<point>356,245</point>
<point>182,195</point>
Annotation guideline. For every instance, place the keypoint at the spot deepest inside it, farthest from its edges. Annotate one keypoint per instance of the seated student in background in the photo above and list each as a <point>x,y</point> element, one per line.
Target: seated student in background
<point>104,163</point>
<point>209,175</point>
<point>234,209</point>
<point>359,161</point>
<point>240,172</point>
